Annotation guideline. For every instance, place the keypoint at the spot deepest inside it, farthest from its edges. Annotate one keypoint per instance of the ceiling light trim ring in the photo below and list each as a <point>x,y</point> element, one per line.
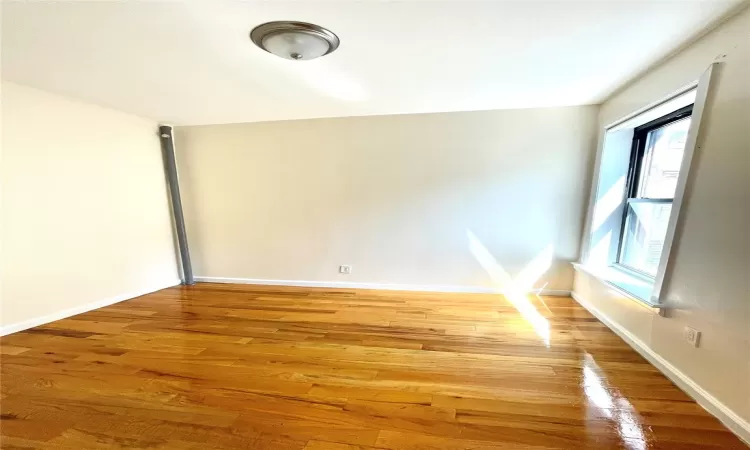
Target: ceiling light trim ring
<point>271,28</point>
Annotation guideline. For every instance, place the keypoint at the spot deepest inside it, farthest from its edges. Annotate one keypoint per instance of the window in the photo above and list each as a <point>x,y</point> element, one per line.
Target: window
<point>656,156</point>
<point>641,173</point>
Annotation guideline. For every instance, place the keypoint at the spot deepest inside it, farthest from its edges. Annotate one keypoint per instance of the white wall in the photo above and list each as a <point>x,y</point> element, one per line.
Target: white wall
<point>85,216</point>
<point>393,196</point>
<point>709,286</point>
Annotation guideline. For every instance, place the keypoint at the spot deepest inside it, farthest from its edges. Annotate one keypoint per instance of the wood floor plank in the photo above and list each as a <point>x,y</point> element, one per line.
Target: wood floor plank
<point>323,445</point>
<point>12,350</point>
<point>236,366</point>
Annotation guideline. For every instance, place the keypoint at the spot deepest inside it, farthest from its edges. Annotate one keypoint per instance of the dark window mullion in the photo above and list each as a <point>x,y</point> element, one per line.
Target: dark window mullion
<point>639,147</point>
<point>650,200</point>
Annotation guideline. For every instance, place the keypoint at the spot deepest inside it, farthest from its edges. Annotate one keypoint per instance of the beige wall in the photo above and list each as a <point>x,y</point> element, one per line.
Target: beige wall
<point>85,216</point>
<point>709,287</point>
<point>393,196</point>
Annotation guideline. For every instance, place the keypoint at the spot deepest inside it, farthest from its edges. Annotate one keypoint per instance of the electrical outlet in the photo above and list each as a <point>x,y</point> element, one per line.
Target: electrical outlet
<point>692,336</point>
<point>346,270</point>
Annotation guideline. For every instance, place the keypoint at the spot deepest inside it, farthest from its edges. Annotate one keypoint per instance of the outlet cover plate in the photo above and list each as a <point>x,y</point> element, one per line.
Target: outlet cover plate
<point>692,336</point>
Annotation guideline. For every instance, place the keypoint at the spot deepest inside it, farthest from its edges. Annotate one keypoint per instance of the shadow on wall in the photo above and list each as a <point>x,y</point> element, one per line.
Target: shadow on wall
<point>516,289</point>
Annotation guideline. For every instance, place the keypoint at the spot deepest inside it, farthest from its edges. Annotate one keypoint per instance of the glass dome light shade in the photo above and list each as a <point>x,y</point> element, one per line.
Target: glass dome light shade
<point>294,40</point>
<point>295,45</point>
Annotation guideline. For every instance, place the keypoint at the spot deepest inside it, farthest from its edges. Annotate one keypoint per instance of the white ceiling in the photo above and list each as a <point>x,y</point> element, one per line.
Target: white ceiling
<point>191,62</point>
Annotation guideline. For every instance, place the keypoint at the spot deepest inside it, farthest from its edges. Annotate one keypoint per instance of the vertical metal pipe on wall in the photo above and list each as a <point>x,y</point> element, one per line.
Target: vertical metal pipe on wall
<point>170,168</point>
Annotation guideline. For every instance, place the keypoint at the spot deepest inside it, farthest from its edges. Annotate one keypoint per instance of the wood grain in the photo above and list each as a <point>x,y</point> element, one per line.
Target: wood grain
<point>217,366</point>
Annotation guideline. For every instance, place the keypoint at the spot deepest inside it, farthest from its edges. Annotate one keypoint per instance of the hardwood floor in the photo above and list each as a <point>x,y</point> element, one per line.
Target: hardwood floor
<point>229,366</point>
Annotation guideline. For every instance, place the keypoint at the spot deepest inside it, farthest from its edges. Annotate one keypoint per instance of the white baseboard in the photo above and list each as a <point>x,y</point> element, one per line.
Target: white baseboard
<point>729,418</point>
<point>59,315</point>
<point>377,286</point>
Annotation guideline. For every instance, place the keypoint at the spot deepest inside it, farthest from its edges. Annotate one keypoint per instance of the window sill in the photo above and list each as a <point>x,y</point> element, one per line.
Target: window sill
<point>631,286</point>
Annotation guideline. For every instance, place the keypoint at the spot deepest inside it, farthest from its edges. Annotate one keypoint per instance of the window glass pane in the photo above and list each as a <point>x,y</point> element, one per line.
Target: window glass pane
<point>662,158</point>
<point>645,229</point>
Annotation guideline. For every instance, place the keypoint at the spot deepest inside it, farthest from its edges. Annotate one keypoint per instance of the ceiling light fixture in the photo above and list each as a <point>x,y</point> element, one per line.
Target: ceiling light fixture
<point>294,40</point>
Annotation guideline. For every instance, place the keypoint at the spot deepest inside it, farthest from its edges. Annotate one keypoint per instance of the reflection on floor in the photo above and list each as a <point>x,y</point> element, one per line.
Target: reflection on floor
<point>228,366</point>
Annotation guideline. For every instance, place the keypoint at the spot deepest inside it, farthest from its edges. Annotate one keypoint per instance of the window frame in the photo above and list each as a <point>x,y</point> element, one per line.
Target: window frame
<point>633,179</point>
<point>606,170</point>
